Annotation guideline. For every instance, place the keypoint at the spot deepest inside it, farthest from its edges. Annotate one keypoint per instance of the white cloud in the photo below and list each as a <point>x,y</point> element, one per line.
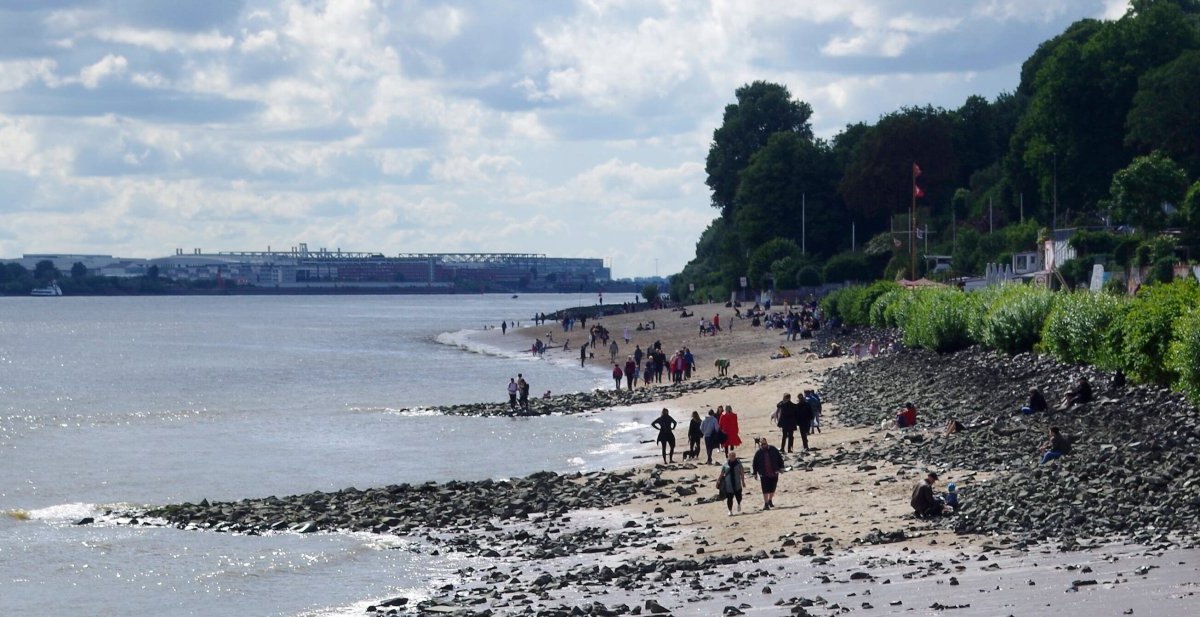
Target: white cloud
<point>108,66</point>
<point>16,74</point>
<point>577,128</point>
<point>165,40</point>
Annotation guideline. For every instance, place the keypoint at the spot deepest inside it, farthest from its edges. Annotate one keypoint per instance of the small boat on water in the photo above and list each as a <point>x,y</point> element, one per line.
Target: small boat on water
<point>514,295</point>
<point>50,290</point>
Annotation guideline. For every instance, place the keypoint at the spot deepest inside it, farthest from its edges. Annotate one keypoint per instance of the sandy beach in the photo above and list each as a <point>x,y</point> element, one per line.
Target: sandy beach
<point>825,509</point>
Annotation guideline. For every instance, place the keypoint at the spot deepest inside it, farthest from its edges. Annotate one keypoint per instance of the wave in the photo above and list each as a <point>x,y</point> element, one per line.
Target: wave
<point>60,512</point>
<point>470,340</point>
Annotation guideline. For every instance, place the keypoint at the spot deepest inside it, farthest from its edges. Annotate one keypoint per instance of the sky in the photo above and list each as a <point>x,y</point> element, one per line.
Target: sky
<point>565,128</point>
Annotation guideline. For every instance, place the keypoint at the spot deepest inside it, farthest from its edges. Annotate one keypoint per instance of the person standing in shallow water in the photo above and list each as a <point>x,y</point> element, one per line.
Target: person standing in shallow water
<point>666,433</point>
<point>512,394</point>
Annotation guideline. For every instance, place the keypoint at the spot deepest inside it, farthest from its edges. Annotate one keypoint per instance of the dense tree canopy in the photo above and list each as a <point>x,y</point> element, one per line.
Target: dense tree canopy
<point>762,109</point>
<point>1102,124</point>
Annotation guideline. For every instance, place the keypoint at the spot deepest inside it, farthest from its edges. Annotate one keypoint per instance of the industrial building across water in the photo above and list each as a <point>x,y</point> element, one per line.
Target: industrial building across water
<point>298,267</point>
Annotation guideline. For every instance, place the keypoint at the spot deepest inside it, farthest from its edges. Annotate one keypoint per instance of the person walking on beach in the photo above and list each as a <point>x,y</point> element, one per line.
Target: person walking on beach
<point>631,373</point>
<point>708,428</point>
<point>731,481</point>
<point>523,392</point>
<point>804,420</point>
<point>626,335</point>
<point>767,464</point>
<point>582,354</point>
<point>617,374</point>
<point>638,355</point>
<point>504,327</point>
<point>613,348</point>
<point>666,433</point>
<point>728,423</point>
<point>694,436</point>
<point>814,401</point>
<point>787,418</point>
<point>512,394</point>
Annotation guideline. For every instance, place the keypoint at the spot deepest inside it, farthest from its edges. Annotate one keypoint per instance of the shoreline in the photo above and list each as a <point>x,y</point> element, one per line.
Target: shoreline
<point>657,522</point>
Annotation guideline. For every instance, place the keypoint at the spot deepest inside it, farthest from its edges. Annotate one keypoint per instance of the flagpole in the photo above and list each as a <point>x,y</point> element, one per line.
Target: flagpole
<point>912,223</point>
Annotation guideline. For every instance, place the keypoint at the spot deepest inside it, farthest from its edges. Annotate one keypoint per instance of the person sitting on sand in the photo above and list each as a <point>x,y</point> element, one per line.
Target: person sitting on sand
<point>952,496</point>
<point>907,416</point>
<point>924,502</point>
<point>1081,393</point>
<point>1056,447</point>
<point>1036,404</point>
<point>782,353</point>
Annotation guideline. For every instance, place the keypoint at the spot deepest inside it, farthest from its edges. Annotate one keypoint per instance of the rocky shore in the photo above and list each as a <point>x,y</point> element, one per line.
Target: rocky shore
<point>579,402</point>
<point>1131,474</point>
<point>654,540</point>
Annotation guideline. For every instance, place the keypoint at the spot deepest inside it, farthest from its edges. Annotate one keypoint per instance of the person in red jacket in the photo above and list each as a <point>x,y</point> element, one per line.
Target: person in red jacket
<point>728,423</point>
<point>617,375</point>
<point>907,416</point>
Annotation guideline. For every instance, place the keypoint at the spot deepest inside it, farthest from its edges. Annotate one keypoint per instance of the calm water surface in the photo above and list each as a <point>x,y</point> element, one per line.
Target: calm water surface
<point>109,401</point>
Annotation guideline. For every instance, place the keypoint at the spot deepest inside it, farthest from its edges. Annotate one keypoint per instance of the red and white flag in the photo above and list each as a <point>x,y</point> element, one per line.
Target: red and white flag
<point>916,170</point>
<point>917,192</point>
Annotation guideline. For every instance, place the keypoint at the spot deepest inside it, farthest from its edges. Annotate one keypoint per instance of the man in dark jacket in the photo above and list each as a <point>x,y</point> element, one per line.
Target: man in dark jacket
<point>804,418</point>
<point>787,418</point>
<point>767,465</point>
<point>924,502</point>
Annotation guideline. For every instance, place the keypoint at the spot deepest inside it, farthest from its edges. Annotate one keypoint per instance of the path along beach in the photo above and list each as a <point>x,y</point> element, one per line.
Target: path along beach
<point>651,537</point>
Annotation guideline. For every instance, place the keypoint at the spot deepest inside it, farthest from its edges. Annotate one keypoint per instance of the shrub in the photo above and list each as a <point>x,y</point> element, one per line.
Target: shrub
<point>808,276</point>
<point>896,313</point>
<point>848,267</point>
<point>878,312</point>
<point>939,319</point>
<point>1147,329</point>
<point>848,304</point>
<point>1012,318</point>
<point>866,299</point>
<point>1184,356</point>
<point>1084,328</point>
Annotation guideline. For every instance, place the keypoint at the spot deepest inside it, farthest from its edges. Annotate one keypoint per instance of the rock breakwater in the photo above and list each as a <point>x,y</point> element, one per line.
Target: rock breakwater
<point>1132,472</point>
<point>580,402</point>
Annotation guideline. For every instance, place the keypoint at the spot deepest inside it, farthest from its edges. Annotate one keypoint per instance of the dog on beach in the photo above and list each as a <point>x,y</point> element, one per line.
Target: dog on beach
<point>809,357</point>
<point>691,455</point>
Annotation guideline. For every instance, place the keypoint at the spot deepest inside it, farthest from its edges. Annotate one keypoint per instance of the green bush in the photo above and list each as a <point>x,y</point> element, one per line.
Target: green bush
<point>1147,329</point>
<point>866,299</point>
<point>896,313</point>
<point>878,312</point>
<point>1084,328</point>
<point>848,267</point>
<point>831,302</point>
<point>848,304</point>
<point>1012,317</point>
<point>939,319</point>
<point>808,276</point>
<point>1184,356</point>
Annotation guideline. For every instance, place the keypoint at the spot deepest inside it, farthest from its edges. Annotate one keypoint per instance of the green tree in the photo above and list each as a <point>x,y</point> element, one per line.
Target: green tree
<point>764,257</point>
<point>1164,116</point>
<point>1191,209</point>
<point>762,109</point>
<point>1140,191</point>
<point>848,267</point>
<point>650,292</point>
<point>878,181</point>
<point>45,271</point>
<point>78,270</point>
<point>152,272</point>
<point>787,191</point>
<point>808,276</point>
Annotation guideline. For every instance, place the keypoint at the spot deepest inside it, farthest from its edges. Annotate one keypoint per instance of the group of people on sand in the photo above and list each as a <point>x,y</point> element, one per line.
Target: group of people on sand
<point>926,503</point>
<point>678,368</point>
<point>720,430</point>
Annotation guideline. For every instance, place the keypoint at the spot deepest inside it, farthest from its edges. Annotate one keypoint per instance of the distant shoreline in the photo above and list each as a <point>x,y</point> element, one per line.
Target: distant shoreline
<point>617,288</point>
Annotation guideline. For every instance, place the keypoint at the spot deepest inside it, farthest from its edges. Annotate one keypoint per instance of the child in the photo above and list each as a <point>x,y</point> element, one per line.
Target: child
<point>952,495</point>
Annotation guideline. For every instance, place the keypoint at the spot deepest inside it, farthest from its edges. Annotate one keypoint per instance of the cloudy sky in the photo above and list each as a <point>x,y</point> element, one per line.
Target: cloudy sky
<point>570,128</point>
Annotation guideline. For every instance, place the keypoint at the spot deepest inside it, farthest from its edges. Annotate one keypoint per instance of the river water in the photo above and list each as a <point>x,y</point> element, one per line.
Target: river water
<point>141,401</point>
